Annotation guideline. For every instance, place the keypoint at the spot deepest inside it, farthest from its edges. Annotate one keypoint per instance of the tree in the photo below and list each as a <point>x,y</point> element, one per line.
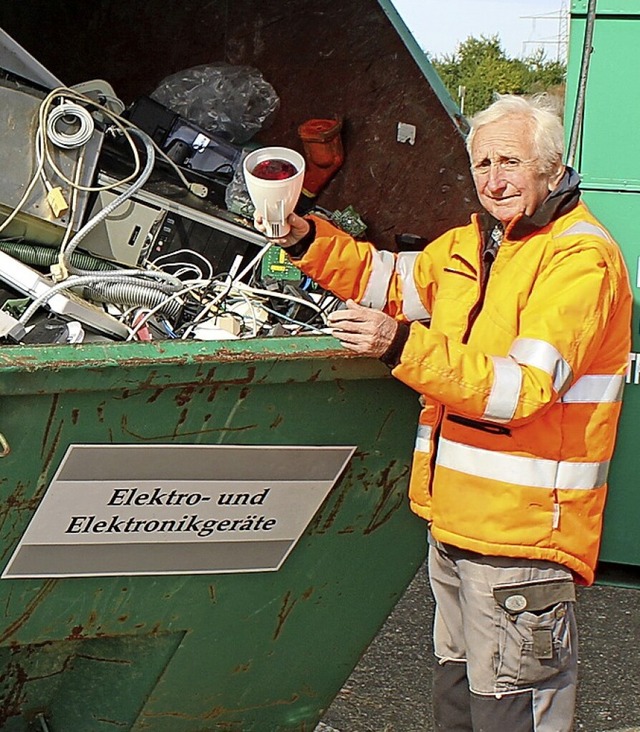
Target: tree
<point>483,69</point>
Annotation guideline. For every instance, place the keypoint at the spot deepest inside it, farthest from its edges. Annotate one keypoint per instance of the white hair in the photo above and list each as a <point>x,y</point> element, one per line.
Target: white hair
<point>542,110</point>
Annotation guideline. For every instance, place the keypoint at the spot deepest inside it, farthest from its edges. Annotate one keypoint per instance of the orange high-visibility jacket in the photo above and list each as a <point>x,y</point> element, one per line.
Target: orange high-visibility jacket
<point>520,381</point>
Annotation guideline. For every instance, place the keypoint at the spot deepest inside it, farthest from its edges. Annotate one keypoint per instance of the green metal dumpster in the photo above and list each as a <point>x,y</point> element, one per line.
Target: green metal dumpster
<point>193,650</point>
<point>606,156</point>
<point>206,536</point>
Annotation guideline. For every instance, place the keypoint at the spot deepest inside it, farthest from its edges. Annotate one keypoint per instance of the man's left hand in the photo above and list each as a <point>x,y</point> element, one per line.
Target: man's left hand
<point>363,330</point>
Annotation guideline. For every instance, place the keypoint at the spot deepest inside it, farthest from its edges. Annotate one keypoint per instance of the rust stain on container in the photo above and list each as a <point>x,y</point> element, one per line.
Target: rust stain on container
<point>385,508</point>
<point>185,394</point>
<point>288,604</point>
<point>49,424</point>
<point>287,607</point>
<point>216,712</point>
<point>242,668</point>
<point>100,412</point>
<point>77,633</point>
<point>12,699</point>
<point>276,422</point>
<point>199,430</point>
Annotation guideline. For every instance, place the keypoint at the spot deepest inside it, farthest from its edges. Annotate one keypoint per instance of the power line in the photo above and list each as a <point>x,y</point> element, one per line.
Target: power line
<point>560,40</point>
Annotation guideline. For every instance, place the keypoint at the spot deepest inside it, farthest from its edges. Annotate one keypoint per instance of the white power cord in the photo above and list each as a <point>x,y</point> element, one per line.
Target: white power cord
<point>74,116</point>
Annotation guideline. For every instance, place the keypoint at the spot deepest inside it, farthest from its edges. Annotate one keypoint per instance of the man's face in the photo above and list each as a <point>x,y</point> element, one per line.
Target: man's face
<point>506,171</point>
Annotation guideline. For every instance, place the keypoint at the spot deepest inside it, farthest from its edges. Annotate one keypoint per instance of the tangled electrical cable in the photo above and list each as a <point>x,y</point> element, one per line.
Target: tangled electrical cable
<point>228,306</point>
<point>65,122</point>
<point>166,297</point>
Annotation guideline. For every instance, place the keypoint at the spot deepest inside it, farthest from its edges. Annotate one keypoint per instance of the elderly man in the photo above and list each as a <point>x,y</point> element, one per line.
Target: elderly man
<point>515,331</point>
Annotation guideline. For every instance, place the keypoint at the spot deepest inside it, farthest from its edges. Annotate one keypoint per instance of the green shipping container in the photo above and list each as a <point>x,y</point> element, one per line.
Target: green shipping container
<point>600,80</point>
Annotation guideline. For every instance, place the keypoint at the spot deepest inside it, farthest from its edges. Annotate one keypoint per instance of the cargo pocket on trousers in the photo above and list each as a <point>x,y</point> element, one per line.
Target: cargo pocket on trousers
<point>535,631</point>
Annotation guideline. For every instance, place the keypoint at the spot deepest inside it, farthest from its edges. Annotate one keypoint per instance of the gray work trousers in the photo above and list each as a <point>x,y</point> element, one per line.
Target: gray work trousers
<point>505,641</point>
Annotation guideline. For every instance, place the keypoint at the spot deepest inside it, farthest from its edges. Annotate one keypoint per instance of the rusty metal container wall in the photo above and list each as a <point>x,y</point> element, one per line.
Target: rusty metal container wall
<point>188,653</point>
<point>323,57</point>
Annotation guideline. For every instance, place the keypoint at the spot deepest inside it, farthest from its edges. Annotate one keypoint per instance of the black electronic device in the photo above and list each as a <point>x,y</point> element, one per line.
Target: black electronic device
<point>189,241</point>
<point>53,330</point>
<point>150,226</point>
<point>184,142</point>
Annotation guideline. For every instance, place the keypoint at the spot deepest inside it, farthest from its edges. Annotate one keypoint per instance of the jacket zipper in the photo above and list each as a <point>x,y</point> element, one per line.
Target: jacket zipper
<point>483,279</point>
<point>483,273</point>
<point>432,458</point>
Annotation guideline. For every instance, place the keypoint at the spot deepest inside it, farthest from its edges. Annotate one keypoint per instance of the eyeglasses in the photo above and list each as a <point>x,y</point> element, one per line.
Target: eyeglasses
<point>506,165</point>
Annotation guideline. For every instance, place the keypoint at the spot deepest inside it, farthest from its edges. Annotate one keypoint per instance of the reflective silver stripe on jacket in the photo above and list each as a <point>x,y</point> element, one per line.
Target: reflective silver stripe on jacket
<point>412,306</point>
<point>382,266</point>
<point>542,355</point>
<point>595,388</point>
<point>505,392</point>
<point>423,438</point>
<point>584,227</point>
<point>525,471</point>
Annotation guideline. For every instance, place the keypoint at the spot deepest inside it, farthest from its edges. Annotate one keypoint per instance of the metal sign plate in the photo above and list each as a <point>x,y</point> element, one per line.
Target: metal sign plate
<point>175,509</point>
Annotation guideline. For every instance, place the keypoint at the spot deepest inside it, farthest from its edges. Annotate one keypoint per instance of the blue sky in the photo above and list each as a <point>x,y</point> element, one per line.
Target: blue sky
<point>440,26</point>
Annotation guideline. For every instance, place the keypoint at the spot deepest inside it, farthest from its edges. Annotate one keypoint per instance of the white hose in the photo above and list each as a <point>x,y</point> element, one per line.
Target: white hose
<point>124,275</point>
<point>110,207</point>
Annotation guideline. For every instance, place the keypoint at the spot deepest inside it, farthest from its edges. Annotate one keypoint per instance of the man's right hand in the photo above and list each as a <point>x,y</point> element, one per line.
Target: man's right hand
<point>299,229</point>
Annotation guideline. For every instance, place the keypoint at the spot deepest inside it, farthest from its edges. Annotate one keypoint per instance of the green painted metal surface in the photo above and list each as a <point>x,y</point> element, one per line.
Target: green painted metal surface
<point>190,653</point>
<point>608,160</point>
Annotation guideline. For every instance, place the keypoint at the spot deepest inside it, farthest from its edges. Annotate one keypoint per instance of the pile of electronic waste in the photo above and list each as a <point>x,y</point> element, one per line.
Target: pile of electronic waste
<point>128,224</point>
